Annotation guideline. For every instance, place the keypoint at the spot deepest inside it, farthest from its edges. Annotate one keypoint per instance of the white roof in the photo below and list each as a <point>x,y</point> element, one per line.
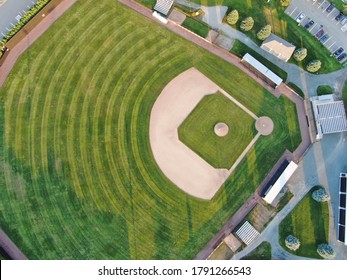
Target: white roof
<point>163,6</point>
<point>275,189</point>
<point>330,116</point>
<point>262,68</point>
<point>247,233</point>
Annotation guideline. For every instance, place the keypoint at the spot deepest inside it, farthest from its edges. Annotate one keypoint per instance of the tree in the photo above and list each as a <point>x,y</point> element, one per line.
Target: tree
<point>320,195</point>
<point>326,251</point>
<point>300,54</point>
<point>247,24</point>
<point>285,3</point>
<point>233,17</point>
<point>264,32</point>
<point>314,66</point>
<point>292,243</point>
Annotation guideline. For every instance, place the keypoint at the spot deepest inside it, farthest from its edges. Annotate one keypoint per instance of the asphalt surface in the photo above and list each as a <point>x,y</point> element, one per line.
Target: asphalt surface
<point>316,11</point>
<point>10,12</point>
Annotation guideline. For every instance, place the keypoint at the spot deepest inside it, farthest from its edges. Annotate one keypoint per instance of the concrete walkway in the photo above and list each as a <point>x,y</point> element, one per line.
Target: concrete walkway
<point>307,81</point>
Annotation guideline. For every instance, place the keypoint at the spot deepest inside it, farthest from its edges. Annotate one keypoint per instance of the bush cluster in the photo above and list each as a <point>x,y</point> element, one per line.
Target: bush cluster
<point>320,195</point>
<point>247,24</point>
<point>25,18</point>
<point>300,54</point>
<point>292,242</point>
<point>326,251</point>
<point>233,17</point>
<point>313,66</point>
<point>264,32</point>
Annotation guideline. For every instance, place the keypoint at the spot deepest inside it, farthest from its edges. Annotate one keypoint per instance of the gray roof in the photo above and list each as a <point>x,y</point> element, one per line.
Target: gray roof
<point>278,47</point>
<point>163,6</point>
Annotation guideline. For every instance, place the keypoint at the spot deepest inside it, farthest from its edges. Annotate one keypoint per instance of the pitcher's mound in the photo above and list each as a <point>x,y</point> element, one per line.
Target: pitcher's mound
<point>221,129</point>
<point>264,125</point>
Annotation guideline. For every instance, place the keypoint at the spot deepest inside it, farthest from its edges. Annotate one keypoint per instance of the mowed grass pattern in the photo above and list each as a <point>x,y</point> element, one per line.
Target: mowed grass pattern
<point>78,179</point>
<point>197,130</point>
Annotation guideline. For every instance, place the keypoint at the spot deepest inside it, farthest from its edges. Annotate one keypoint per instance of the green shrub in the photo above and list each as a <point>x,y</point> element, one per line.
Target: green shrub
<point>314,66</point>
<point>324,89</point>
<point>300,54</point>
<point>247,24</point>
<point>264,32</point>
<point>285,3</point>
<point>233,17</point>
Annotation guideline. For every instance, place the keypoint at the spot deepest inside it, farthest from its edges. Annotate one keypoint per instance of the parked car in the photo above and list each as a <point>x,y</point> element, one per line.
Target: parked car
<point>309,24</point>
<point>330,8</point>
<point>324,38</point>
<point>342,57</point>
<point>344,20</point>
<point>300,17</point>
<point>319,33</point>
<point>338,52</point>
<point>339,16</point>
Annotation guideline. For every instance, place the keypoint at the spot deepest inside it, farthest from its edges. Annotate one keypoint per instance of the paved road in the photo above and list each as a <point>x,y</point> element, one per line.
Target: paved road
<point>10,10</point>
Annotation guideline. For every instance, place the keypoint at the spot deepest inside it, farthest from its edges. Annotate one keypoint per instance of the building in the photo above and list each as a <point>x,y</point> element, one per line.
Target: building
<point>330,115</point>
<point>273,190</point>
<point>278,47</point>
<point>163,7</point>
<point>342,232</point>
<point>261,70</point>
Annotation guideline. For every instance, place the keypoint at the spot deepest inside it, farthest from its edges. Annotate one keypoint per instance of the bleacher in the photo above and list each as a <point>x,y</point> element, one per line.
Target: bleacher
<point>342,233</point>
<point>247,233</point>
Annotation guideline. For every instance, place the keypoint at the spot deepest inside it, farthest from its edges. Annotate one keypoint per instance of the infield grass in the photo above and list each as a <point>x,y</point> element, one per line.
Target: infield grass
<point>77,176</point>
<point>197,130</point>
<point>309,222</point>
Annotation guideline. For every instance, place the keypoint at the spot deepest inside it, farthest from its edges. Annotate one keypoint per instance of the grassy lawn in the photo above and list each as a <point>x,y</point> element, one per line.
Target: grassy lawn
<point>77,176</point>
<point>324,89</point>
<point>309,222</point>
<point>197,130</point>
<point>282,25</point>
<point>262,252</point>
<point>340,5</point>
<point>196,26</point>
<point>240,49</point>
<point>344,95</point>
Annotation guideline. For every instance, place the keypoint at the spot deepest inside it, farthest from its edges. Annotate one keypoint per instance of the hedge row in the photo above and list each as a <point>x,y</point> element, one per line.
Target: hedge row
<point>25,19</point>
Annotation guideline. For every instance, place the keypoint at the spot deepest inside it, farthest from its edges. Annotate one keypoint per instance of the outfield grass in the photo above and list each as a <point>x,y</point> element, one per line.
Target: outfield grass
<point>262,252</point>
<point>240,49</point>
<point>197,130</point>
<point>282,25</point>
<point>344,95</point>
<point>309,222</point>
<point>78,179</point>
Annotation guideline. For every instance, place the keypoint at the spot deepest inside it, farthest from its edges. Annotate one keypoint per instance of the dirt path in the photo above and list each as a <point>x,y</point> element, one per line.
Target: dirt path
<point>14,53</point>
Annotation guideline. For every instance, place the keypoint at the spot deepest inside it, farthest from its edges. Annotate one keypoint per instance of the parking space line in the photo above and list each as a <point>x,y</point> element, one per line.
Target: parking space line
<point>293,11</point>
<point>321,4</point>
<point>313,26</point>
<point>327,41</point>
<point>331,45</point>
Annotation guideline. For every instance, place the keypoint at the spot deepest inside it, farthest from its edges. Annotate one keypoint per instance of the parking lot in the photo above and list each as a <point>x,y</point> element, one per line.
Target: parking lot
<point>10,12</point>
<point>321,23</point>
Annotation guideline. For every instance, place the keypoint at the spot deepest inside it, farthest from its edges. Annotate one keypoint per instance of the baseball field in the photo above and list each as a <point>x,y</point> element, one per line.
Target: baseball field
<point>78,179</point>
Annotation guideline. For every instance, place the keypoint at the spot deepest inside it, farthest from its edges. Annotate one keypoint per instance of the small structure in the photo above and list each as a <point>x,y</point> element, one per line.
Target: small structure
<point>342,232</point>
<point>232,242</point>
<point>261,70</point>
<point>163,7</point>
<point>273,190</point>
<point>278,47</point>
<point>247,233</point>
<point>329,114</point>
